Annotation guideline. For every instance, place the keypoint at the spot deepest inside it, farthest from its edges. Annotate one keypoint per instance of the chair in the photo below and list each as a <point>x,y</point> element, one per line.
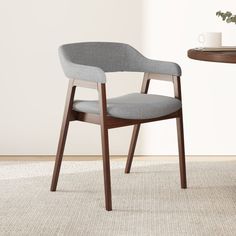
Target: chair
<point>85,65</point>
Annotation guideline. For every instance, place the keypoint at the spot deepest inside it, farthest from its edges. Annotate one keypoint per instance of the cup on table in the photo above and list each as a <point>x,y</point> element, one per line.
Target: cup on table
<point>210,39</point>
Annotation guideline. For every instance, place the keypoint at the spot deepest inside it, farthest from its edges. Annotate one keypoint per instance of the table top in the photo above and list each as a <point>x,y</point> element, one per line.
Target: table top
<point>226,57</point>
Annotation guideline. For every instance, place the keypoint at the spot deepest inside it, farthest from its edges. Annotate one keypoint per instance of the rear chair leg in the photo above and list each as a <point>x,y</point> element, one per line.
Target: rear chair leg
<point>132,148</point>
<point>182,166</point>
<point>144,89</point>
<point>63,134</point>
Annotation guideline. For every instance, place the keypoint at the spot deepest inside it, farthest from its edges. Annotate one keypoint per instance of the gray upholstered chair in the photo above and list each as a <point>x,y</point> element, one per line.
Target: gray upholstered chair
<point>85,65</point>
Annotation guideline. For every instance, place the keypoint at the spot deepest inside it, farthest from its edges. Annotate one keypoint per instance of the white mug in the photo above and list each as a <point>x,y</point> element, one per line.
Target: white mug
<point>210,39</point>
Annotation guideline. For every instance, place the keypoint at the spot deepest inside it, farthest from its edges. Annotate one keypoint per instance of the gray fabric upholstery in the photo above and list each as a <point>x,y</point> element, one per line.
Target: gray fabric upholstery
<point>90,61</point>
<point>133,106</point>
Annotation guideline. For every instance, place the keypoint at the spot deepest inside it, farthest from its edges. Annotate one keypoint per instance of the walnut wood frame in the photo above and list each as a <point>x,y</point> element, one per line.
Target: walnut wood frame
<point>107,122</point>
<point>214,56</point>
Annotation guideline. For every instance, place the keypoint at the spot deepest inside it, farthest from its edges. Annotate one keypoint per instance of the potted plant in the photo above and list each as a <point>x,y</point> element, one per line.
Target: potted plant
<point>229,33</point>
<point>227,16</point>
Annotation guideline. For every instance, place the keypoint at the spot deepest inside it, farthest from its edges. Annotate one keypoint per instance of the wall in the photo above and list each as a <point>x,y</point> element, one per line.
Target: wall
<point>33,87</point>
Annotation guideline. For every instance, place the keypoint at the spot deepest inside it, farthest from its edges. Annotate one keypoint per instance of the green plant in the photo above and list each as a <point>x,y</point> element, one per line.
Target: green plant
<point>227,16</point>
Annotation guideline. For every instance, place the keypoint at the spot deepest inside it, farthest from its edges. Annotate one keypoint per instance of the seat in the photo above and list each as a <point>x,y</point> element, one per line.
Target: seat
<point>132,106</point>
<point>85,65</point>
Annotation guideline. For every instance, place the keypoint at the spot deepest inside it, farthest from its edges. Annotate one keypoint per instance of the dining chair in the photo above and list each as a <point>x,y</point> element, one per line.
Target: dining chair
<point>85,65</point>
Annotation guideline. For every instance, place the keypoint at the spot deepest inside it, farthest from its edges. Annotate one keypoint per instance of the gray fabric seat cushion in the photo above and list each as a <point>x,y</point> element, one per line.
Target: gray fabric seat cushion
<point>132,106</point>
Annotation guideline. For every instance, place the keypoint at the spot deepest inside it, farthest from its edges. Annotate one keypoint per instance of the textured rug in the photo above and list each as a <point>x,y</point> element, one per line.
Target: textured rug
<point>148,201</point>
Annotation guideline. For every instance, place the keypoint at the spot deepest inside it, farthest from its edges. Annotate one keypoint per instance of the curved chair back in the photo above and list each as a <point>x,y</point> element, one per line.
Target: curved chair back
<point>89,61</point>
<point>110,57</point>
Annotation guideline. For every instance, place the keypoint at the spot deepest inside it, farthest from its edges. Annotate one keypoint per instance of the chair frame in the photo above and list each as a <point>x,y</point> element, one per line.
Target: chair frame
<point>107,122</point>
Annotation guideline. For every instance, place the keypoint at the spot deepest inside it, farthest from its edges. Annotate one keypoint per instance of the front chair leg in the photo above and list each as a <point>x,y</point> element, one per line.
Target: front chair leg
<point>132,148</point>
<point>182,166</point>
<point>106,167</point>
<point>63,134</point>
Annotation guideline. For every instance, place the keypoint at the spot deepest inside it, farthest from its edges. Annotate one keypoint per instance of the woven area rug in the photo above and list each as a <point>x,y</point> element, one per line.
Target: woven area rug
<point>148,201</point>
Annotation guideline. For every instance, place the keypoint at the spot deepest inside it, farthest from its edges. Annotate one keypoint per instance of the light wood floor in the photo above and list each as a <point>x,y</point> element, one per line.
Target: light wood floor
<point>120,157</point>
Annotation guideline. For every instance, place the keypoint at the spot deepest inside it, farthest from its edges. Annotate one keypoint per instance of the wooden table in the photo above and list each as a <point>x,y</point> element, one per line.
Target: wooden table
<point>225,57</point>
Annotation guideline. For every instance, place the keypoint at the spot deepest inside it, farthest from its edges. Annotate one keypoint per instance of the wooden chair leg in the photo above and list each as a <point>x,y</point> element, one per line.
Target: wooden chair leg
<point>182,166</point>
<point>132,148</point>
<point>60,151</point>
<point>106,167</point>
<point>63,134</point>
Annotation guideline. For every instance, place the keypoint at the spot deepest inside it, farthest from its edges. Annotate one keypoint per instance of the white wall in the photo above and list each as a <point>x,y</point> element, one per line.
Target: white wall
<point>33,87</point>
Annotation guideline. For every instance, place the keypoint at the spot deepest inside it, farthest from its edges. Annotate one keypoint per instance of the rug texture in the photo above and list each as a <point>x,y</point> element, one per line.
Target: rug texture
<point>148,201</point>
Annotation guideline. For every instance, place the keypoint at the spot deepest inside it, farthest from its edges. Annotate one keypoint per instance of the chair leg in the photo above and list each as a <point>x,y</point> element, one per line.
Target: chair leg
<point>106,167</point>
<point>63,134</point>
<point>132,148</point>
<point>60,151</point>
<point>182,166</point>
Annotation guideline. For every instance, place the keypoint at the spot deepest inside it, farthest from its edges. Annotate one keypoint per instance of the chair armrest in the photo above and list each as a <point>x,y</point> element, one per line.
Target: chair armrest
<point>146,65</point>
<point>163,67</point>
<point>162,77</point>
<point>139,63</point>
<point>172,78</point>
<point>82,72</point>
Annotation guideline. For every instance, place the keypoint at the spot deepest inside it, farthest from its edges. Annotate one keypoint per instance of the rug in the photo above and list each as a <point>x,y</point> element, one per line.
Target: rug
<point>148,201</point>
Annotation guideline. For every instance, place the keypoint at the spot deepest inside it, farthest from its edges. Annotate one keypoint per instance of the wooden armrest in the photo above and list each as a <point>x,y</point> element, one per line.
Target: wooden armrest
<point>160,77</point>
<point>174,79</point>
<point>85,84</point>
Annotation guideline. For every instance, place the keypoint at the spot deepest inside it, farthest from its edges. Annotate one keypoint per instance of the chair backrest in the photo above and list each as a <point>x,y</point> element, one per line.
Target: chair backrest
<point>110,57</point>
<point>89,61</point>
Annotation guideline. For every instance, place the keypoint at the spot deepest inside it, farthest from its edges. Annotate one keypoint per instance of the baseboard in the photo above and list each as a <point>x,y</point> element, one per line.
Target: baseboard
<point>171,158</point>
